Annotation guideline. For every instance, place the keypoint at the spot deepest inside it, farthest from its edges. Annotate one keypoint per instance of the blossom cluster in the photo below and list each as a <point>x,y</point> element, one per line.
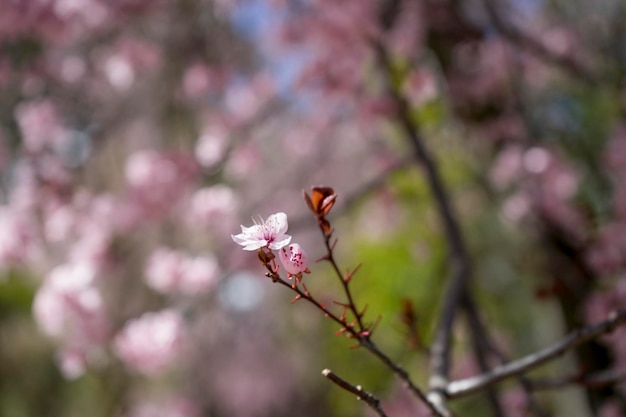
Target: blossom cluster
<point>270,234</point>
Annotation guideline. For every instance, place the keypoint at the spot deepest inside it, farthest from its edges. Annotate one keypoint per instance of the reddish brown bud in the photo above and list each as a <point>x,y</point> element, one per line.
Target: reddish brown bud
<point>322,200</point>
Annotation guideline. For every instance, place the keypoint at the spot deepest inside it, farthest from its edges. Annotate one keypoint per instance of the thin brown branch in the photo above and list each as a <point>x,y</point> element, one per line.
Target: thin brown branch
<point>363,341</point>
<point>361,394</point>
<point>523,365</point>
<point>330,257</point>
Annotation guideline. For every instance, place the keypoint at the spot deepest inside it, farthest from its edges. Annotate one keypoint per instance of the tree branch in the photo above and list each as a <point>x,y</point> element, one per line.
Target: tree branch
<point>597,380</point>
<point>361,394</point>
<point>520,366</point>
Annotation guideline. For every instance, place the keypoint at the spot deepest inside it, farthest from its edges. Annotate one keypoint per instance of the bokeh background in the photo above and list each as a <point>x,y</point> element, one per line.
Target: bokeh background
<point>136,136</point>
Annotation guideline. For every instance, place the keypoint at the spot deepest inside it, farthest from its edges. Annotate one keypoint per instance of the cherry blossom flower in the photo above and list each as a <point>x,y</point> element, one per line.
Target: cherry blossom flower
<point>294,259</point>
<point>270,233</point>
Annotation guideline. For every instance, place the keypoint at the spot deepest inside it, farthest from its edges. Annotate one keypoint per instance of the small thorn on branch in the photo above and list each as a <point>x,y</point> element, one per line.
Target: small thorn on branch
<point>350,274</point>
<point>343,314</point>
<point>341,331</point>
<point>339,303</point>
<point>296,298</point>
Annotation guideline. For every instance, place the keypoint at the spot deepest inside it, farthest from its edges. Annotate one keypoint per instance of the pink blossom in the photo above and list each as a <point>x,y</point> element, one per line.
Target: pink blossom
<point>39,125</point>
<point>294,259</point>
<point>151,342</point>
<point>270,233</point>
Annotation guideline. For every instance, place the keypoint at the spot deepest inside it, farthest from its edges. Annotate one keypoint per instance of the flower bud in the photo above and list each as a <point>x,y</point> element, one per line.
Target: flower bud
<point>294,259</point>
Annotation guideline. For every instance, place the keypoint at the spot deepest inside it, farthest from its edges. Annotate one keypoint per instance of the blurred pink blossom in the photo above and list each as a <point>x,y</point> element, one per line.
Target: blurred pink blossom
<point>615,154</point>
<point>198,274</point>
<point>420,87</point>
<point>607,252</point>
<point>69,308</point>
<point>68,298</point>
<point>243,161</point>
<point>197,80</point>
<point>507,167</point>
<point>515,402</point>
<point>173,271</point>
<point>172,407</point>
<point>211,147</point>
<point>245,101</point>
<point>119,72</point>
<point>611,408</point>
<point>294,259</point>
<point>211,205</point>
<point>17,237</point>
<point>158,180</point>
<point>152,342</point>
<point>40,125</point>
<point>269,233</point>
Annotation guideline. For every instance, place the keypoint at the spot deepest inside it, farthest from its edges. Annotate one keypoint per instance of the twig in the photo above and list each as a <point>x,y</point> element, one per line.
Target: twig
<point>471,385</point>
<point>330,257</point>
<point>361,394</point>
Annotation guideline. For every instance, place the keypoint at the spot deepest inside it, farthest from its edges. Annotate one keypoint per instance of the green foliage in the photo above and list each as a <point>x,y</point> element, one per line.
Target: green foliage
<point>16,293</point>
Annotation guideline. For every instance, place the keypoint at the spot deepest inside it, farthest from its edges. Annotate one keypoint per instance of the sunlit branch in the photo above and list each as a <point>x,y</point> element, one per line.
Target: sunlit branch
<point>527,363</point>
<point>367,398</point>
